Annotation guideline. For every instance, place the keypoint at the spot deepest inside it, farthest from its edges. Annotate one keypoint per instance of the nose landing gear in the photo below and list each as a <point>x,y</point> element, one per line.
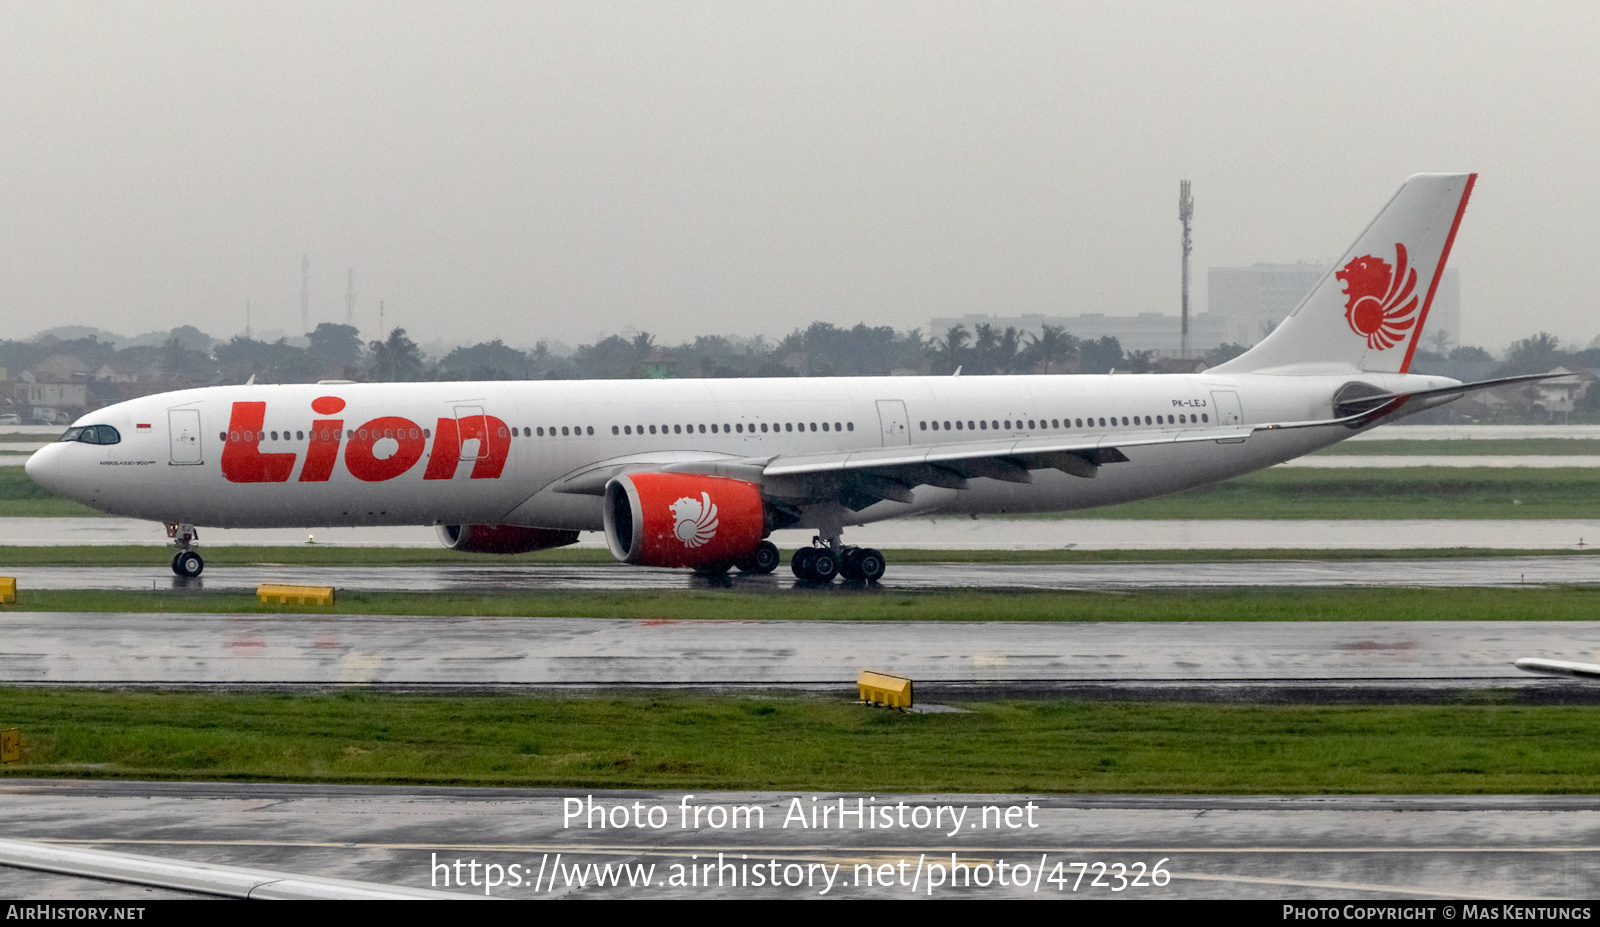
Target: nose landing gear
<point>187,562</point>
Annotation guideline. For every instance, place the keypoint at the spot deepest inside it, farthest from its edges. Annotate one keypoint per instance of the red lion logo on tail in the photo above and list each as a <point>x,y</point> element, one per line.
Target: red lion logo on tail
<point>1380,302</point>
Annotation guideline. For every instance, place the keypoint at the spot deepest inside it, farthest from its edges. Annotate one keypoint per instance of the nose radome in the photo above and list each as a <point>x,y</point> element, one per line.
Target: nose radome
<point>39,469</point>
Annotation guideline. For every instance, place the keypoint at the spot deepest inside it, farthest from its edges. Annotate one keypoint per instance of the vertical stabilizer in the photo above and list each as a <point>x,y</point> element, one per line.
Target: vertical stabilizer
<point>1368,311</point>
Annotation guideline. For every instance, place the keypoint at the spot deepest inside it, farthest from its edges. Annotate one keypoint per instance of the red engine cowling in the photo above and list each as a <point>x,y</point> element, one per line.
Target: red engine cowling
<point>683,520</point>
<point>503,539</point>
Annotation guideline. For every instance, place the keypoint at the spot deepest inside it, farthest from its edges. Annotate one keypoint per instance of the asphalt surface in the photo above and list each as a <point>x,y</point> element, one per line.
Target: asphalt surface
<point>919,534</point>
<point>1419,848</point>
<point>1484,571</point>
<point>60,648</point>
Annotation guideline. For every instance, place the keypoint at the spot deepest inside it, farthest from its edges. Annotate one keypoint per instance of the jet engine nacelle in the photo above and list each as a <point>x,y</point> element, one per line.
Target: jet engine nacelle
<point>683,520</point>
<point>503,539</point>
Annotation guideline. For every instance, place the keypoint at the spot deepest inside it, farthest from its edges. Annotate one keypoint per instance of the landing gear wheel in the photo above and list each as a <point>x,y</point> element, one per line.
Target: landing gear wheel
<point>861,564</point>
<point>801,562</point>
<point>815,564</point>
<point>187,564</point>
<point>870,565</point>
<point>765,559</point>
<point>824,566</point>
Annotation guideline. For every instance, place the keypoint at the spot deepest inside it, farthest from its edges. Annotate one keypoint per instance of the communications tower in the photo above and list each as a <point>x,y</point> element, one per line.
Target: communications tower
<point>305,293</point>
<point>1185,213</point>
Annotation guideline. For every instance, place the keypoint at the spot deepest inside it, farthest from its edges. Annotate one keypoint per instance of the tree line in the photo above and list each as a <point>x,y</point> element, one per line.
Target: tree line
<point>338,352</point>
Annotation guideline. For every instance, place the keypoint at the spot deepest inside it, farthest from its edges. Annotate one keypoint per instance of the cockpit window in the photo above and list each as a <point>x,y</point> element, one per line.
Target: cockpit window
<point>92,434</point>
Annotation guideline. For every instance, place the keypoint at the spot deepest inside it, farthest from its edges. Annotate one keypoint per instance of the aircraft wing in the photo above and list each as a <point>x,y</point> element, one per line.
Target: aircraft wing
<point>864,476</point>
<point>861,477</point>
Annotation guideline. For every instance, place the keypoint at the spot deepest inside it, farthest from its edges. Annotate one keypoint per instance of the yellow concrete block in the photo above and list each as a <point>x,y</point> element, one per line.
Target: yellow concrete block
<point>10,745</point>
<point>883,689</point>
<point>8,590</point>
<point>271,594</point>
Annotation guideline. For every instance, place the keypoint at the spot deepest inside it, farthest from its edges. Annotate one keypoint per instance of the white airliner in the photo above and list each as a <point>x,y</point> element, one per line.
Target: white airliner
<point>697,473</point>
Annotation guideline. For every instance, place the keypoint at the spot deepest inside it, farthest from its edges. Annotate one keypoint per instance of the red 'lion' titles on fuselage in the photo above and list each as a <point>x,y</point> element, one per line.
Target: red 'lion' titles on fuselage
<point>243,461</point>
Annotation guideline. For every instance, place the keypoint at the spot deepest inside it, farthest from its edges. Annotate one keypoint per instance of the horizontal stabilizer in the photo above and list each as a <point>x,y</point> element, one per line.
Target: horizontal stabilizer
<point>1354,406</point>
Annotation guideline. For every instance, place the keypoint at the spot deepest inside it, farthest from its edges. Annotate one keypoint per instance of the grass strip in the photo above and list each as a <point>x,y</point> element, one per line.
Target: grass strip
<point>311,555</point>
<point>21,497</point>
<point>1405,493</point>
<point>1533,603</point>
<point>1471,447</point>
<point>786,743</point>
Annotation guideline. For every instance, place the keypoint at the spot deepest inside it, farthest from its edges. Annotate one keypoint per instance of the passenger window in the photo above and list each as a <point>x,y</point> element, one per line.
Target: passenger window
<point>923,426</point>
<point>1204,417</point>
<point>702,429</point>
<point>1055,423</point>
<point>615,430</point>
<point>1124,420</point>
<point>958,424</point>
<point>222,436</point>
<point>969,425</point>
<point>1030,424</point>
<point>763,427</point>
<point>589,430</point>
<point>983,426</point>
<point>836,427</point>
<point>850,426</point>
<point>813,426</point>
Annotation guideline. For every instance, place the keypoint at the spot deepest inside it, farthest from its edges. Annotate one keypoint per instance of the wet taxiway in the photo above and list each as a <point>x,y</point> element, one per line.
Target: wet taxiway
<point>919,534</point>
<point>1565,570</point>
<point>1352,847</point>
<point>64,648</point>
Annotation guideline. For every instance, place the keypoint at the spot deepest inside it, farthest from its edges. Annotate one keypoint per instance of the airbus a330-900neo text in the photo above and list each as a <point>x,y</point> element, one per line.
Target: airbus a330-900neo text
<point>697,473</point>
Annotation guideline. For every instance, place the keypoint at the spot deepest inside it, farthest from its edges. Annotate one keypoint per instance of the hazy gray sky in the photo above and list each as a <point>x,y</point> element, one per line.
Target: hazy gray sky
<point>572,169</point>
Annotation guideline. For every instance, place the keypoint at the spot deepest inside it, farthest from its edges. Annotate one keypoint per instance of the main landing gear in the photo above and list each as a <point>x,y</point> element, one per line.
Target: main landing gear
<point>821,562</point>
<point>765,559</point>
<point>186,562</point>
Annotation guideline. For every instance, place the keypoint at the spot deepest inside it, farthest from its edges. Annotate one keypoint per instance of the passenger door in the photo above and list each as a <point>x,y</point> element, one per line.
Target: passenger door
<point>474,432</point>
<point>183,434</point>
<point>1226,402</point>
<point>892,419</point>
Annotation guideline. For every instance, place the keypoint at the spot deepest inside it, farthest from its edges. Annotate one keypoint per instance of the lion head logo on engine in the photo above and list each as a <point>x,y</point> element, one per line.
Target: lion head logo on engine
<point>697,520</point>
<point>1380,302</point>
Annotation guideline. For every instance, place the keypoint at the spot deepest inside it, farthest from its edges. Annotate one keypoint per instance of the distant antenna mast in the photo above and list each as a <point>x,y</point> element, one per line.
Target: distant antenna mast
<point>1185,213</point>
<point>380,320</point>
<point>247,335</point>
<point>350,297</point>
<point>305,292</point>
